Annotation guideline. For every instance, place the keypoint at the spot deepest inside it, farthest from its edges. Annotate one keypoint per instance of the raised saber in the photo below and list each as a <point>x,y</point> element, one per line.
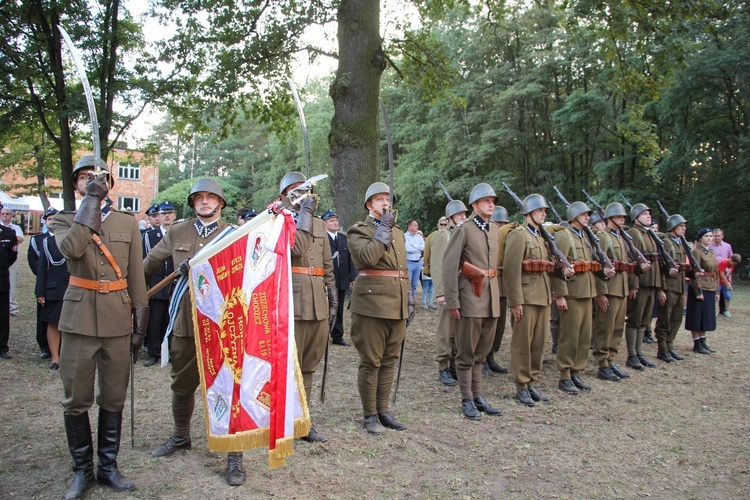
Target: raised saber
<point>303,122</point>
<point>391,181</point>
<point>81,70</point>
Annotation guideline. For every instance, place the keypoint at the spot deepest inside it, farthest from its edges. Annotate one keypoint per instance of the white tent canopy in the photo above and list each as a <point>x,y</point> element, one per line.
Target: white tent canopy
<point>14,203</point>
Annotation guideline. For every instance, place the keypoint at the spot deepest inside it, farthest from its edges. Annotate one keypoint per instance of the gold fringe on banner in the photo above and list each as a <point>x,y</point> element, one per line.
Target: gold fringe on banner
<point>284,448</point>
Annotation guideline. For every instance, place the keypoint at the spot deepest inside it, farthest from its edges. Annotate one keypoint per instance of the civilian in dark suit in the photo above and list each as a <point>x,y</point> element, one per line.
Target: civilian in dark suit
<point>35,249</point>
<point>159,302</point>
<point>343,270</point>
<point>52,279</point>
<point>8,255</point>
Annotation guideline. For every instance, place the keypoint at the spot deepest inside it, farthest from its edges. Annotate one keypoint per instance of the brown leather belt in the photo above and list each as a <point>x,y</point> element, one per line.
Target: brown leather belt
<point>624,267</point>
<point>310,271</point>
<point>381,273</point>
<point>103,286</point>
<point>535,266</point>
<point>651,257</point>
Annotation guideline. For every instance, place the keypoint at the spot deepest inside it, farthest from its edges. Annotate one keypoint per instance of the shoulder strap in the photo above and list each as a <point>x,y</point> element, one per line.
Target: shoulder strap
<point>107,254</point>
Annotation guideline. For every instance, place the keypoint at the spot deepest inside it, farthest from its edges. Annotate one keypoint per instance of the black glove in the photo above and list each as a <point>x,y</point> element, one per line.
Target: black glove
<point>90,211</point>
<point>140,327</point>
<point>410,308</point>
<point>384,233</point>
<point>305,216</point>
<point>184,267</point>
<point>333,307</point>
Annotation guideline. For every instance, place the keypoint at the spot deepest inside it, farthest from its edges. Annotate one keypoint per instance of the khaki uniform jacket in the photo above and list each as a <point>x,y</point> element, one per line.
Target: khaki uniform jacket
<point>574,248</point>
<point>502,235</point>
<point>674,283</point>
<point>181,242</point>
<point>309,292</point>
<point>437,247</point>
<point>616,249</point>
<point>642,240</point>
<point>378,297</point>
<point>88,312</point>
<point>707,260</point>
<point>469,243</point>
<point>521,287</point>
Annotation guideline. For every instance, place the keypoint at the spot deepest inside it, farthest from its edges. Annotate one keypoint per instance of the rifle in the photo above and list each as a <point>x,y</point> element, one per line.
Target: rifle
<point>560,259</point>
<point>665,260</point>
<point>601,255</point>
<point>632,250</point>
<point>558,219</point>
<point>445,191</point>
<point>685,246</point>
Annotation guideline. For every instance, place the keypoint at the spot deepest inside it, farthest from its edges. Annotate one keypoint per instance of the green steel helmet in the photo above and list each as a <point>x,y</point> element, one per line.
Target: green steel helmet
<point>637,210</point>
<point>500,215</point>
<point>533,202</point>
<point>210,186</point>
<point>575,209</point>
<point>595,217</point>
<point>481,190</point>
<point>86,162</point>
<point>675,220</point>
<point>289,179</point>
<point>376,188</point>
<point>455,207</point>
<point>614,209</point>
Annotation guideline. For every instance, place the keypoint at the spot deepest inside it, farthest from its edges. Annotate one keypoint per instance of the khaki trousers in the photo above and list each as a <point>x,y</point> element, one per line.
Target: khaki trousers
<point>669,320</point>
<point>575,337</point>
<point>80,358</point>
<point>473,341</point>
<point>608,330</point>
<point>378,342</point>
<point>311,338</point>
<point>500,329</point>
<point>527,345</point>
<point>445,343</point>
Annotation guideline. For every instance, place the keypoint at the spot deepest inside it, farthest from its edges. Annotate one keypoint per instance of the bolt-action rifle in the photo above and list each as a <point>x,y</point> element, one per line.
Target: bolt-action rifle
<point>560,259</point>
<point>558,219</point>
<point>665,260</point>
<point>633,251</point>
<point>693,262</point>
<point>601,255</point>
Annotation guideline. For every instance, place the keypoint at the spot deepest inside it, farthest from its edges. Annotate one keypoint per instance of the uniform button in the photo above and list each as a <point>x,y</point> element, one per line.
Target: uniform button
<point>369,290</point>
<point>101,253</point>
<point>312,257</point>
<point>102,275</point>
<point>200,244</point>
<point>101,263</point>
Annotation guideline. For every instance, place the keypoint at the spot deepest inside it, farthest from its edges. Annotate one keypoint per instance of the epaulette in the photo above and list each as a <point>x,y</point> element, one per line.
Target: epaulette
<point>360,223</point>
<point>180,221</point>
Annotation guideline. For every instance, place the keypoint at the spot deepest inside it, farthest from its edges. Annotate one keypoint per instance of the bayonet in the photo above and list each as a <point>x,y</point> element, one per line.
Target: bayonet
<point>391,166</point>
<point>447,194</point>
<point>683,241</point>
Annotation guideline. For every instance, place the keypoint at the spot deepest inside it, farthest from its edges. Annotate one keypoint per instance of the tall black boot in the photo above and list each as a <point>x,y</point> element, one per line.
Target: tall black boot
<point>78,430</point>
<point>108,445</point>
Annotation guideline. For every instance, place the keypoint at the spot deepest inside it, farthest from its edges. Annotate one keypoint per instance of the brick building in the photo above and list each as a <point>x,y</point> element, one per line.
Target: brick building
<point>136,185</point>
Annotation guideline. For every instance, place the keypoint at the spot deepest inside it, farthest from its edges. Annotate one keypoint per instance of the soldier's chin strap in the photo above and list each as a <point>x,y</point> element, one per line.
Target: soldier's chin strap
<point>213,212</point>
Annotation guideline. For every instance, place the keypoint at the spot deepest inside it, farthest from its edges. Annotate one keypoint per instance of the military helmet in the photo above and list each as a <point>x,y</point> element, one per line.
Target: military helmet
<point>289,179</point>
<point>86,162</point>
<point>481,190</point>
<point>376,188</point>
<point>675,220</point>
<point>614,209</point>
<point>637,210</point>
<point>533,202</point>
<point>595,217</point>
<point>575,209</point>
<point>500,215</point>
<point>455,207</point>
<point>209,185</point>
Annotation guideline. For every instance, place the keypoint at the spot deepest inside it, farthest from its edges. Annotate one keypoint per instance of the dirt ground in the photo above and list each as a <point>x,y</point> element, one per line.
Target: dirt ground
<point>679,431</point>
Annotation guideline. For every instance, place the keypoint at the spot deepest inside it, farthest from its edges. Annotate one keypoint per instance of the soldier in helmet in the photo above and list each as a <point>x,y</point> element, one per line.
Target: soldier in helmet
<point>183,240</point>
<point>500,219</point>
<point>612,296</point>
<point>642,288</point>
<point>573,300</point>
<point>472,297</point>
<point>529,296</point>
<point>103,249</point>
<point>381,305</point>
<point>669,316</point>
<point>445,355</point>
<point>315,294</point>
<point>159,302</point>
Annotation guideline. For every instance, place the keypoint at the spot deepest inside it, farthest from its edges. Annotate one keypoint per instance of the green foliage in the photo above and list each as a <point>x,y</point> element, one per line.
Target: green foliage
<point>178,194</point>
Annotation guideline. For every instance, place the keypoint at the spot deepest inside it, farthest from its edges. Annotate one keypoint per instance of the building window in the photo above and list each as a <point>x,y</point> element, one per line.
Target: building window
<point>129,203</point>
<point>129,171</point>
